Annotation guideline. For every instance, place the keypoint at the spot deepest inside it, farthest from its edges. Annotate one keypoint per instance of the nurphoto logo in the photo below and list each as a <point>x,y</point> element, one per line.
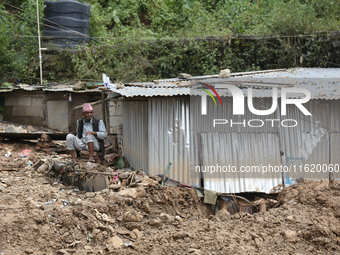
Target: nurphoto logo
<point>238,104</point>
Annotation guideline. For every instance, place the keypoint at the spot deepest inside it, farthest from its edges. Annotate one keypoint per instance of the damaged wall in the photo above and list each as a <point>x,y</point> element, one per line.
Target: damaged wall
<point>47,108</point>
<point>115,117</point>
<point>25,107</point>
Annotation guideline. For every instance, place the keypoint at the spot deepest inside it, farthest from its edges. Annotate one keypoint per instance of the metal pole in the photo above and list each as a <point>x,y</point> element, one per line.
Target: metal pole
<point>40,62</point>
<point>103,108</point>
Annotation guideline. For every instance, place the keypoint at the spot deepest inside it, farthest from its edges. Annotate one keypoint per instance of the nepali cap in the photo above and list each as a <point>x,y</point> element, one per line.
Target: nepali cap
<point>87,107</point>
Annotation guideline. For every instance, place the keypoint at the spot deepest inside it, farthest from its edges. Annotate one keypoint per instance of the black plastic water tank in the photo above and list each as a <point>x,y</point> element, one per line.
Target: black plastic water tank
<point>66,24</point>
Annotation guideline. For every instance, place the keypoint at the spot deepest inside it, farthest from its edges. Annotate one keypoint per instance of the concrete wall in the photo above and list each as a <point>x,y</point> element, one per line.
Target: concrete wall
<point>46,108</point>
<point>27,108</point>
<point>115,117</point>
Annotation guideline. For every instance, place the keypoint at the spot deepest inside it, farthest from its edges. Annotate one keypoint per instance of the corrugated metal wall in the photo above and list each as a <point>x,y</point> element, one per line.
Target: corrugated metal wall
<point>135,133</point>
<point>240,150</point>
<point>158,132</point>
<point>169,138</point>
<point>237,144</point>
<point>308,142</point>
<point>335,155</point>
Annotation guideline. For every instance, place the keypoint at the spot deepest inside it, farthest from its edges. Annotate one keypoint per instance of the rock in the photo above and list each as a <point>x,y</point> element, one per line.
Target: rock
<point>29,251</point>
<point>289,218</point>
<point>262,206</point>
<point>224,73</point>
<point>165,216</point>
<point>178,218</point>
<point>223,215</point>
<point>146,207</point>
<point>12,129</point>
<point>254,236</point>
<point>290,236</point>
<point>237,216</point>
<point>98,199</point>
<point>123,232</point>
<point>132,193</point>
<point>96,231</point>
<point>132,216</point>
<point>62,251</point>
<point>147,181</point>
<point>90,194</point>
<point>115,186</point>
<point>124,175</point>
<point>115,241</point>
<point>322,241</point>
<point>194,251</point>
<point>135,225</point>
<point>155,223</point>
<point>47,196</point>
<point>258,242</point>
<point>136,234</point>
<point>184,76</point>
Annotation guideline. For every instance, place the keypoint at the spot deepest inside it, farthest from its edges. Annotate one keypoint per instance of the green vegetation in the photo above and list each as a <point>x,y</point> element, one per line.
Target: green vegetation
<point>143,40</point>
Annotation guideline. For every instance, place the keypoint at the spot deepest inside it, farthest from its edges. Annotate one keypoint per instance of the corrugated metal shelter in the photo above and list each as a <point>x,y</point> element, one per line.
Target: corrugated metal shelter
<point>163,123</point>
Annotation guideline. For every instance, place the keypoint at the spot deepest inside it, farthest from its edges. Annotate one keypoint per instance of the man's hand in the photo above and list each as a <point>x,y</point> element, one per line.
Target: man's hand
<point>91,133</point>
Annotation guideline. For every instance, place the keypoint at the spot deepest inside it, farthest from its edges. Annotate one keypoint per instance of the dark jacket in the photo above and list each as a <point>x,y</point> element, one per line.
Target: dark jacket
<point>95,125</point>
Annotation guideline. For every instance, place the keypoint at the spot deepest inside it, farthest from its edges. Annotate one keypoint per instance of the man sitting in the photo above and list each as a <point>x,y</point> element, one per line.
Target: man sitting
<point>90,136</point>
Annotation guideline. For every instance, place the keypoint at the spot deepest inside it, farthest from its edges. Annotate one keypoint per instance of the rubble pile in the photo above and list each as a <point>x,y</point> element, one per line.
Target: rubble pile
<point>135,214</point>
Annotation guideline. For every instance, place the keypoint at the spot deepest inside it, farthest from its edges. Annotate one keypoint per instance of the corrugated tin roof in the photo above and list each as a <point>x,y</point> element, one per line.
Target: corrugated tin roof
<point>133,91</point>
<point>323,83</point>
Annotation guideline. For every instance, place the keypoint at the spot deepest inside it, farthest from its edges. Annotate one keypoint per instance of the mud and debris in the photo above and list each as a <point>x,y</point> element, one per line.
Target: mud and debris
<point>135,214</point>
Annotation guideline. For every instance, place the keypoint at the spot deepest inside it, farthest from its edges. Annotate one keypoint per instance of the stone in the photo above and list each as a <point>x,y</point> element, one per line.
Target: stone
<point>237,216</point>
<point>290,236</point>
<point>132,216</point>
<point>178,218</point>
<point>135,225</point>
<point>62,251</point>
<point>115,241</point>
<point>258,242</point>
<point>224,73</point>
<point>184,76</point>
<point>146,207</point>
<point>164,216</point>
<point>289,218</point>
<point>115,186</point>
<point>132,193</point>
<point>136,234</point>
<point>12,129</point>
<point>223,215</point>
<point>29,251</point>
<point>123,232</point>
<point>90,194</point>
<point>98,199</point>
<point>155,223</point>
<point>148,181</point>
<point>96,231</point>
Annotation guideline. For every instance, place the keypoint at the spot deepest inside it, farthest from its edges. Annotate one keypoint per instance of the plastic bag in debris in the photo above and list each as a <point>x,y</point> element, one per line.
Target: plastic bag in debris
<point>24,153</point>
<point>119,164</point>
